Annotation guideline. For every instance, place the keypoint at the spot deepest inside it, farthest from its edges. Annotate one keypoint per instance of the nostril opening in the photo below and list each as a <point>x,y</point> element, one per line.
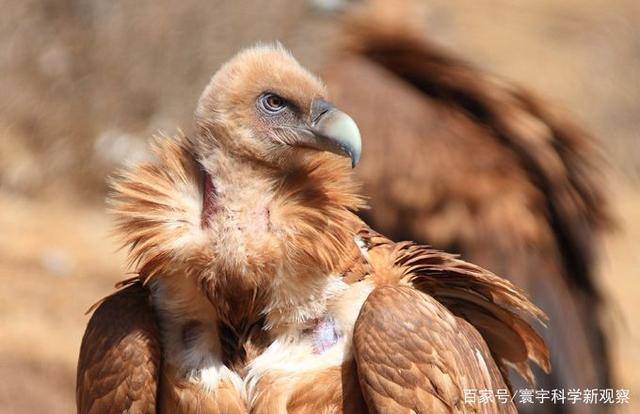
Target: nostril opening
<point>319,107</point>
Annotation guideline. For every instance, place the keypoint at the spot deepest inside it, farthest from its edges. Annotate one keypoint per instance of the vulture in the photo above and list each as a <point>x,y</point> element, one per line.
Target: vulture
<point>477,166</point>
<point>258,288</point>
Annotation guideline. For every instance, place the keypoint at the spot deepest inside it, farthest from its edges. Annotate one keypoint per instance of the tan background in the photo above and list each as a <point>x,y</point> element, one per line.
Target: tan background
<point>83,84</point>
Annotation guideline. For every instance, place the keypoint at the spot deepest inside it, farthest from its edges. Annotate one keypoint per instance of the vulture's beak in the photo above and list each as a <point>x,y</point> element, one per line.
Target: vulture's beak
<point>334,131</point>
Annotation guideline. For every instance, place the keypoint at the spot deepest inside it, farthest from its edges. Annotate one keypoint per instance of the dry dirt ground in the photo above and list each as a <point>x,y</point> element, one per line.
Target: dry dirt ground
<point>56,259</point>
<point>620,275</point>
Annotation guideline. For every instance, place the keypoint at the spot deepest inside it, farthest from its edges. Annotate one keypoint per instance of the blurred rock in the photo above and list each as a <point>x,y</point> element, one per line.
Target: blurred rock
<point>114,148</point>
<point>56,262</point>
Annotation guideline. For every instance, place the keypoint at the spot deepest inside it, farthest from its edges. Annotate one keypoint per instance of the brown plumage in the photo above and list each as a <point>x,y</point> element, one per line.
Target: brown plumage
<point>132,347</point>
<point>266,293</point>
<point>468,163</point>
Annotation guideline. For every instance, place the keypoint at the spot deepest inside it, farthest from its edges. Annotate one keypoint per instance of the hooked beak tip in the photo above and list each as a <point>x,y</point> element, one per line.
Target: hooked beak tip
<point>335,131</point>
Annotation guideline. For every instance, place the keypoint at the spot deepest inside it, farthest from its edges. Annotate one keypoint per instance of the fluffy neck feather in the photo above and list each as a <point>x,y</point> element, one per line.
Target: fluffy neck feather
<point>309,236</point>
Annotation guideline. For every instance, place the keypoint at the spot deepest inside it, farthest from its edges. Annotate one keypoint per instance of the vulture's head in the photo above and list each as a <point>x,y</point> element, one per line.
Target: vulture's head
<point>263,105</point>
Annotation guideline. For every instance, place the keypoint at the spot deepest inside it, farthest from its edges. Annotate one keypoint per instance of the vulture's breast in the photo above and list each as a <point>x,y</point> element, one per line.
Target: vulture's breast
<point>304,369</point>
<point>311,369</point>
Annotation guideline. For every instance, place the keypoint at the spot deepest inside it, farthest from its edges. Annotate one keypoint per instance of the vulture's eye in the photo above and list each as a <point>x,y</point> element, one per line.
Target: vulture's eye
<point>272,103</point>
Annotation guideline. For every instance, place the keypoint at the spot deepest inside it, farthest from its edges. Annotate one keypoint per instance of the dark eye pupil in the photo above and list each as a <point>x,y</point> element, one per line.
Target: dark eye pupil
<point>272,103</point>
<point>275,102</point>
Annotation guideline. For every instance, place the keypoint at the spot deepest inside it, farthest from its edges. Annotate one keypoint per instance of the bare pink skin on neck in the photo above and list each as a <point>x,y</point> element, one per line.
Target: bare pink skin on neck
<point>324,335</point>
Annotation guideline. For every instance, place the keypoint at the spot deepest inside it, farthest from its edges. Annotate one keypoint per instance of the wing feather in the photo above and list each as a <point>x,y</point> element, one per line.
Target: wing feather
<point>120,355</point>
<point>499,311</point>
<point>414,356</point>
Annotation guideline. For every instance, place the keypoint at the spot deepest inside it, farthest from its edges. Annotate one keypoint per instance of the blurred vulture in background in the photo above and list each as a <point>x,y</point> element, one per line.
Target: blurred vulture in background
<point>468,163</point>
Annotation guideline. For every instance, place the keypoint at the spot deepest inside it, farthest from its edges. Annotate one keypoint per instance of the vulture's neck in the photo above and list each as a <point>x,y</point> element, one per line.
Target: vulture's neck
<point>281,237</point>
<point>257,243</point>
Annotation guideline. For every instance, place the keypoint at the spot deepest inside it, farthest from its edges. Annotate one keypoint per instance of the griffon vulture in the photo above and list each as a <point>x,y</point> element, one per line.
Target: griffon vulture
<point>474,165</point>
<point>260,290</point>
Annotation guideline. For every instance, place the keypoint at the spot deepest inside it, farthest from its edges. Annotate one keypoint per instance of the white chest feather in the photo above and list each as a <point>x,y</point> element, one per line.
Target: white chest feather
<point>316,345</point>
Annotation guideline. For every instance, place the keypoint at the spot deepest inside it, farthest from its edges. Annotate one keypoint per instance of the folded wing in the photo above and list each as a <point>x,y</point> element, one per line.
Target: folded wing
<point>120,355</point>
<point>437,327</point>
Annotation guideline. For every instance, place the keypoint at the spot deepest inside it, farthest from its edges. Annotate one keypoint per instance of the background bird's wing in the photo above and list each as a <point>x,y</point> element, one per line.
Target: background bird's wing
<point>120,355</point>
<point>414,356</point>
<point>489,171</point>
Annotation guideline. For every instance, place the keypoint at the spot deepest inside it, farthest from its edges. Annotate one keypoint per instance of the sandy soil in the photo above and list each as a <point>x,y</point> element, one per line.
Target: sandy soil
<point>56,259</point>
